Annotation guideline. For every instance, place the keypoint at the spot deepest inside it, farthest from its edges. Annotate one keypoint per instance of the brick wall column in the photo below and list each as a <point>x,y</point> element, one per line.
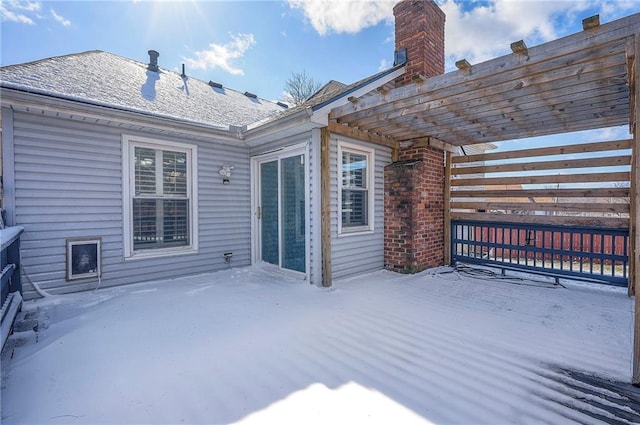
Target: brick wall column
<point>414,211</point>
<point>414,186</point>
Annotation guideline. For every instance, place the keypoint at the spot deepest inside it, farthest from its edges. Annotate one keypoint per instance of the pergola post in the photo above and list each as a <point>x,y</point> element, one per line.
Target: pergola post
<point>325,190</point>
<point>447,209</point>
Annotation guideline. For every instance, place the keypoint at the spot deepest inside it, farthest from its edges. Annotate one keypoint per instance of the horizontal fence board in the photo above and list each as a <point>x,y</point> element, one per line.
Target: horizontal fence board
<point>548,151</point>
<point>607,192</point>
<point>614,222</point>
<point>546,165</point>
<point>545,206</point>
<point>621,176</point>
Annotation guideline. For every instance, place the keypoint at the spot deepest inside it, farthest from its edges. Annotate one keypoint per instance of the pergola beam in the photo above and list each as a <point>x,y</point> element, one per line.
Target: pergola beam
<point>362,135</point>
<point>430,141</point>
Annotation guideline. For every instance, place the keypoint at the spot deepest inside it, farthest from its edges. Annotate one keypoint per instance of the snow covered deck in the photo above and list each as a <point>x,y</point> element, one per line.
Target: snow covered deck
<point>243,346</point>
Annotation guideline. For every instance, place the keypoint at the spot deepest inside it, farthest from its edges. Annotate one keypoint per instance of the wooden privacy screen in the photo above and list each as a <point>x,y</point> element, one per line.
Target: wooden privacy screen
<point>582,184</point>
<point>586,184</point>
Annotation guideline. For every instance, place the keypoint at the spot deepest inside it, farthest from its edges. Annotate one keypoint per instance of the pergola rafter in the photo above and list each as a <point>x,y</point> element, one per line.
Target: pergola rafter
<point>575,83</point>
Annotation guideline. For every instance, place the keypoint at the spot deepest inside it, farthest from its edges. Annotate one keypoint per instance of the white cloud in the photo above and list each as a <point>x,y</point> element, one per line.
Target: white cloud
<point>327,16</point>
<point>27,12</point>
<point>616,9</point>
<point>604,134</point>
<point>8,16</point>
<point>486,31</point>
<point>18,11</point>
<point>222,55</point>
<point>64,22</point>
<point>29,6</point>
<point>384,64</point>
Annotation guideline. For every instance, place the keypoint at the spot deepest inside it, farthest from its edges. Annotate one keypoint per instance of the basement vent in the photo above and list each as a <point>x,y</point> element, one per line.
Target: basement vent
<point>284,105</point>
<point>251,95</point>
<point>215,85</point>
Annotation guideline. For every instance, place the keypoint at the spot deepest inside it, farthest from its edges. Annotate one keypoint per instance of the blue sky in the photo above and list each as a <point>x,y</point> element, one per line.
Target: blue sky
<point>255,45</point>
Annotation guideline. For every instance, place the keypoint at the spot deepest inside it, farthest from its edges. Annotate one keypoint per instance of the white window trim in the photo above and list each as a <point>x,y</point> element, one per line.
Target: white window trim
<point>128,171</point>
<point>370,153</point>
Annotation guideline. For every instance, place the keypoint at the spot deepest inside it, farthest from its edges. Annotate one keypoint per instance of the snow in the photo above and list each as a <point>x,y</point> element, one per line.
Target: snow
<point>251,347</point>
<point>105,79</point>
<point>8,235</point>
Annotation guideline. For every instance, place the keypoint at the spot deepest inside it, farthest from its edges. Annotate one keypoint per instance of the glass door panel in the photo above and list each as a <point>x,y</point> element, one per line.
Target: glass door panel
<point>293,213</point>
<point>269,212</point>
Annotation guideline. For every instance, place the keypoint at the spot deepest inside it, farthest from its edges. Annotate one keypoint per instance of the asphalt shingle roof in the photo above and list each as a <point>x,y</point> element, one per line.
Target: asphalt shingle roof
<point>101,78</point>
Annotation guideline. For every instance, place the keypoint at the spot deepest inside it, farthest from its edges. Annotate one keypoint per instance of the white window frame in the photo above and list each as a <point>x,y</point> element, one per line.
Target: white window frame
<point>129,143</point>
<point>370,155</point>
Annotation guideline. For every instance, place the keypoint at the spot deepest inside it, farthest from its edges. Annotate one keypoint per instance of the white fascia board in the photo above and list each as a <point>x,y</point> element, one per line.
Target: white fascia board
<point>321,115</point>
<point>289,125</point>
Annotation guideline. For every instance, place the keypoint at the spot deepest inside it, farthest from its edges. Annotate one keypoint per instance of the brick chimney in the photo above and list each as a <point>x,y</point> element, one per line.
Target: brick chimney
<point>414,185</point>
<point>420,30</point>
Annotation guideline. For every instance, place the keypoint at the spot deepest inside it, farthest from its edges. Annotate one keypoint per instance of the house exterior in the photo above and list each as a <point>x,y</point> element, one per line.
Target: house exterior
<point>122,171</point>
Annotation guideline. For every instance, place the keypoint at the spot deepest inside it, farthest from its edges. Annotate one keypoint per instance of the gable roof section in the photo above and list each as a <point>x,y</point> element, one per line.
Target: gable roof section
<point>334,94</point>
<point>330,88</point>
<point>103,79</point>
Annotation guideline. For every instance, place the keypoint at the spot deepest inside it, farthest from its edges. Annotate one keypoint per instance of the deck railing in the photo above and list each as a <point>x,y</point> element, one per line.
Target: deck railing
<point>11,285</point>
<point>579,252</point>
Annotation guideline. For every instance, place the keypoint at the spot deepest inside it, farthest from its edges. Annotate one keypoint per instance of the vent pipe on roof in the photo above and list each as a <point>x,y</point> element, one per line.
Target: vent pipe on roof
<point>153,61</point>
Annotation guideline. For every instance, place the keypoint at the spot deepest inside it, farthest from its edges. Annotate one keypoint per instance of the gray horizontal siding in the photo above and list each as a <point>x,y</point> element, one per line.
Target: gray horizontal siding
<point>358,253</point>
<point>68,178</point>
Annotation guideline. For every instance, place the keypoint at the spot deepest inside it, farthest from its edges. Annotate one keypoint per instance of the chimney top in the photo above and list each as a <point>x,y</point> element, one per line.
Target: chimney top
<point>153,60</point>
<point>419,28</point>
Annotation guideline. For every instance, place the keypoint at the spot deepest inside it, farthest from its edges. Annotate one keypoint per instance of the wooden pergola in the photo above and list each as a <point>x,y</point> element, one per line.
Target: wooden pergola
<point>584,81</point>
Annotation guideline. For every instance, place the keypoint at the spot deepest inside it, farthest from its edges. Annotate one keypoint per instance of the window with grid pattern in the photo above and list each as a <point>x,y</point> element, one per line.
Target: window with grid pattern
<point>355,169</point>
<point>161,212</point>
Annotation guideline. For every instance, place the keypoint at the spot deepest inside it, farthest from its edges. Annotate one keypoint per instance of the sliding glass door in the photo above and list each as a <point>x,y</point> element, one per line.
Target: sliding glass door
<point>281,212</point>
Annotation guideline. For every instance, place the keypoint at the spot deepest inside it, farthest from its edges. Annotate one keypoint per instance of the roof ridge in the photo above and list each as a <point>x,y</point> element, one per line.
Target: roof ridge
<point>37,61</point>
<point>130,60</point>
<point>179,74</point>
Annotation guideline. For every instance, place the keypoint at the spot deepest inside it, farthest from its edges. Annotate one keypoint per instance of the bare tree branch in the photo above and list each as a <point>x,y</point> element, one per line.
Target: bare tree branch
<point>300,87</point>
